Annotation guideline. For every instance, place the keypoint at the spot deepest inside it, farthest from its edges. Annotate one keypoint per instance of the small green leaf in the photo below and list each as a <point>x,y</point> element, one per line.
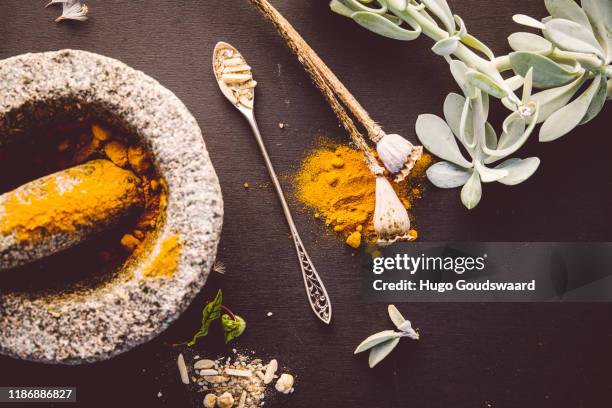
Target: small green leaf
<point>568,117</point>
<point>546,72</point>
<point>447,175</point>
<point>505,148</point>
<point>571,36</point>
<point>530,42</point>
<point>379,352</point>
<point>210,313</point>
<point>485,84</point>
<point>459,71</point>
<point>437,137</point>
<point>376,339</point>
<point>232,327</point>
<point>382,26</point>
<point>358,5</point>
<point>518,170</point>
<point>471,193</point>
<point>569,10</point>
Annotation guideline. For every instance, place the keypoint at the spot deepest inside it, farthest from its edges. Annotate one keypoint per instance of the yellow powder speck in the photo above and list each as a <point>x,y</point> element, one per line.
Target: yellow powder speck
<point>117,153</point>
<point>100,133</point>
<point>130,243</point>
<point>166,261</point>
<point>336,182</point>
<point>245,185</point>
<point>354,240</point>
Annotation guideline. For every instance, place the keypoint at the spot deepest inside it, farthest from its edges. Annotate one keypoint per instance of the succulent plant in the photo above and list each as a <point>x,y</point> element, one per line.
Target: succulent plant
<point>573,53</point>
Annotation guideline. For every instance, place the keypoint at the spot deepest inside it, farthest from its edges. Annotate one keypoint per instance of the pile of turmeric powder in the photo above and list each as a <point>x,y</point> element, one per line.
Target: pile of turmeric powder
<point>336,183</point>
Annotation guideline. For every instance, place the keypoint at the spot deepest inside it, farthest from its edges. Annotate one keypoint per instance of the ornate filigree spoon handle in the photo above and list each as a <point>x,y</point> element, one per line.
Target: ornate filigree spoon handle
<point>236,82</point>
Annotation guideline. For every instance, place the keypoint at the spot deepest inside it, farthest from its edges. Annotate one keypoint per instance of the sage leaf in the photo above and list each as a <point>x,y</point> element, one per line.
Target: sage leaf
<point>382,26</point>
<point>396,316</point>
<point>568,117</point>
<point>376,339</point>
<point>571,36</point>
<point>527,21</point>
<point>518,170</point>
<point>546,72</point>
<point>445,46</point>
<point>569,10</point>
<point>476,44</point>
<point>232,327</point>
<point>436,136</point>
<point>471,193</point>
<point>485,84</point>
<point>530,42</point>
<point>550,100</point>
<point>441,10</point>
<point>447,175</point>
<point>597,102</point>
<point>340,8</point>
<point>600,15</point>
<point>210,313</point>
<point>379,352</point>
<point>488,175</point>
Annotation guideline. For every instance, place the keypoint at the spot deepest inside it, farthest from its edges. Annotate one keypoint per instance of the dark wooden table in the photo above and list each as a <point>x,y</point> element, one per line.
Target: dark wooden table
<point>471,355</point>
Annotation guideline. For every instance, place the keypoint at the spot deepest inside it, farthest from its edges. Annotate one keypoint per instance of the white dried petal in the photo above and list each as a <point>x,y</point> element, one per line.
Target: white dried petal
<point>208,372</point>
<point>216,379</point>
<point>237,373</point>
<point>182,369</point>
<point>203,364</point>
<point>270,371</point>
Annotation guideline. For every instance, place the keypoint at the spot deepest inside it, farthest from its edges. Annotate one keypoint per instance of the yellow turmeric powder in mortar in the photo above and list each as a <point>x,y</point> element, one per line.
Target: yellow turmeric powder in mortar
<point>336,182</point>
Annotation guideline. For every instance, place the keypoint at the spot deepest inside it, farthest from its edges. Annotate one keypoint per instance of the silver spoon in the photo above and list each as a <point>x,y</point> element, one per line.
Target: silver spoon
<point>236,82</point>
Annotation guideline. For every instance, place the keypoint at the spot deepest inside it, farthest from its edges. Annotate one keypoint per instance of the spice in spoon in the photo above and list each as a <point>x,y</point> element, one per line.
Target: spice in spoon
<point>234,75</point>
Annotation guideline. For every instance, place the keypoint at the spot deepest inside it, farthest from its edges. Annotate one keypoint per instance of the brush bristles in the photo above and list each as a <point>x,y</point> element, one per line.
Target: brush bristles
<point>391,221</point>
<point>395,152</point>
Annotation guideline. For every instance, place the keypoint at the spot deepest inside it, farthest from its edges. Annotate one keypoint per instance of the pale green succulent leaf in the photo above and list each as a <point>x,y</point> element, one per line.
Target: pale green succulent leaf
<point>447,175</point>
<point>399,5</point>
<point>379,352</point>
<point>527,21</point>
<point>441,10</point>
<point>462,31</point>
<point>597,103</point>
<point>518,170</point>
<point>546,72</point>
<point>358,5</point>
<point>485,84</point>
<point>445,46</point>
<point>466,126</point>
<point>437,137</point>
<point>571,36</point>
<point>340,8</point>
<point>453,106</point>
<point>476,44</point>
<point>550,100</point>
<point>513,142</point>
<point>530,42</point>
<point>382,26</point>
<point>568,117</point>
<point>488,175</point>
<point>569,10</point>
<point>515,82</point>
<point>471,193</point>
<point>599,13</point>
<point>376,339</point>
